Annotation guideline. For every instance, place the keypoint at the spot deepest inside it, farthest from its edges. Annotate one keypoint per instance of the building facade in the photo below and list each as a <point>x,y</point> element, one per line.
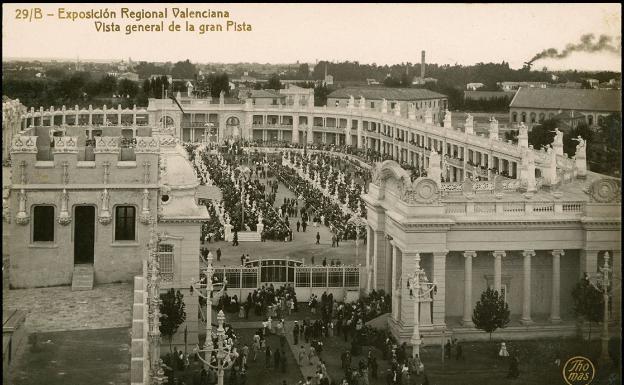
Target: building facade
<point>399,99</point>
<point>531,106</point>
<point>532,249</point>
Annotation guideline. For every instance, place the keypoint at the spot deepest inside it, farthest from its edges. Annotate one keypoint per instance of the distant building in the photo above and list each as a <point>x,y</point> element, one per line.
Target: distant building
<point>422,81</point>
<point>533,105</point>
<point>265,97</point>
<point>486,95</point>
<point>474,86</point>
<point>129,76</point>
<point>570,119</point>
<point>395,97</point>
<point>593,83</point>
<point>300,95</point>
<point>513,86</point>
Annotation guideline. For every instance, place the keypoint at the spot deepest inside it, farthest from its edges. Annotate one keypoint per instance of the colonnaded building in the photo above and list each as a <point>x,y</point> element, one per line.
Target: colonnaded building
<point>531,225</point>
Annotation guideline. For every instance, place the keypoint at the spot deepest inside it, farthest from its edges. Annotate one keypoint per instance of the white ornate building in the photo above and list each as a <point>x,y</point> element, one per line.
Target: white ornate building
<point>532,231</point>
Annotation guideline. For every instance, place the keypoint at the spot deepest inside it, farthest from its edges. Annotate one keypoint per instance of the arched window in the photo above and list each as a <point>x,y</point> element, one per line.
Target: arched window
<point>600,119</point>
<point>514,117</point>
<point>551,115</point>
<point>590,120</point>
<point>533,116</point>
<point>232,121</point>
<point>542,116</point>
<point>168,121</point>
<point>523,117</point>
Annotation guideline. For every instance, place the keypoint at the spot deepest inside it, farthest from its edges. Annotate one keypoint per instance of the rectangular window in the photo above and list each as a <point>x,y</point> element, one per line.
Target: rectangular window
<point>43,224</point>
<point>125,222</point>
<point>165,261</point>
<point>372,104</point>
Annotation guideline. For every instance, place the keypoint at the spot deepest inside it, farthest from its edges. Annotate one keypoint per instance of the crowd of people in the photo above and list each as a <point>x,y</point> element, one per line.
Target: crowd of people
<point>254,196</point>
<point>318,207</point>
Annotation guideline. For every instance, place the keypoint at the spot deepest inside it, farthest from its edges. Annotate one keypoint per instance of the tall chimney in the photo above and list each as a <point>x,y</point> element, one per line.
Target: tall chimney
<point>422,65</point>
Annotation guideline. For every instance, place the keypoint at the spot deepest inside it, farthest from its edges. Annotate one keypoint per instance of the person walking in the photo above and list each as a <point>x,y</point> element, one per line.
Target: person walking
<point>296,333</point>
<point>459,352</point>
<point>514,371</point>
<point>267,357</point>
<point>304,225</point>
<point>277,358</point>
<point>301,354</point>
<point>318,238</point>
<point>219,254</point>
<point>503,353</point>
<point>298,225</point>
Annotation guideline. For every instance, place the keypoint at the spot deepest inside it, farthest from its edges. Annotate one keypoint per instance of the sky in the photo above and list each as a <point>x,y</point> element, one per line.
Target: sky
<point>285,33</point>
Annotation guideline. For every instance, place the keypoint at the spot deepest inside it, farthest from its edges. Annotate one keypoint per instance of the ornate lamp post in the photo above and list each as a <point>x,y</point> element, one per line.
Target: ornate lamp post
<point>157,373</point>
<point>420,288</point>
<point>209,286</point>
<point>602,283</point>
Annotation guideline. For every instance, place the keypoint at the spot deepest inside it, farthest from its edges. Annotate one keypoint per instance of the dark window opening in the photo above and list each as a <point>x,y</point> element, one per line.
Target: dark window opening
<point>125,223</point>
<point>43,224</point>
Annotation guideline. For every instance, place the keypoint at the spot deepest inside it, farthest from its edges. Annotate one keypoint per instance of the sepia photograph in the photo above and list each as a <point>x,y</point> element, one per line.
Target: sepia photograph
<point>311,194</point>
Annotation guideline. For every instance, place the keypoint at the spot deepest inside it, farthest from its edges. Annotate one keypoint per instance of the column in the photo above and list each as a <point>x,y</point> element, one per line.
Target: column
<point>555,316</point>
<point>369,266</point>
<point>395,305</point>
<point>526,286</point>
<point>467,318</point>
<point>498,262</point>
<point>439,278</point>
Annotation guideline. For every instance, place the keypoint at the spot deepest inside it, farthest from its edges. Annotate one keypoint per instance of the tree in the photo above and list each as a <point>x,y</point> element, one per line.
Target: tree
<point>127,87</point>
<point>217,83</point>
<point>392,82</point>
<point>320,95</point>
<point>303,71</point>
<point>512,135</point>
<point>184,70</point>
<point>588,302</point>
<point>172,314</point>
<point>569,144</point>
<point>108,85</point>
<point>491,312</point>
<point>274,83</point>
<point>543,133</point>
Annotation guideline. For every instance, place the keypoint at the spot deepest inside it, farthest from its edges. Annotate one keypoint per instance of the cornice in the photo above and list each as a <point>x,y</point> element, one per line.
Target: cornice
<point>76,186</point>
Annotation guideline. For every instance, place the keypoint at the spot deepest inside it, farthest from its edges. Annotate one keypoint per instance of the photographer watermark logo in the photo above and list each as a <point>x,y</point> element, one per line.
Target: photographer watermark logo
<point>579,370</point>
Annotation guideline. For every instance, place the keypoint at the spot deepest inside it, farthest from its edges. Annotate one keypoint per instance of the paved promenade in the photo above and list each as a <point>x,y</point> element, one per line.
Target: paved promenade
<point>59,308</point>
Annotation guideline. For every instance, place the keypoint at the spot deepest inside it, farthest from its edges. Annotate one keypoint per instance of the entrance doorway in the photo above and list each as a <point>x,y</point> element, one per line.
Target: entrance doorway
<point>84,234</point>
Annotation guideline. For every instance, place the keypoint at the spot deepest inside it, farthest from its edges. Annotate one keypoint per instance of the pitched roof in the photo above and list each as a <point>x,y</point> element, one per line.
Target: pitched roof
<point>378,93</point>
<point>569,115</point>
<point>478,95</point>
<point>266,94</point>
<point>568,99</point>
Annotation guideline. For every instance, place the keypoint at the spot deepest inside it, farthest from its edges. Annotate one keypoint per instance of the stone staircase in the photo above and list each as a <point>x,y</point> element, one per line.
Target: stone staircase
<point>82,278</point>
<point>248,236</point>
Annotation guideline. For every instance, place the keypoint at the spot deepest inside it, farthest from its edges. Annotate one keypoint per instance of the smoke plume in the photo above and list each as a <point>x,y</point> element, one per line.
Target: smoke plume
<point>587,44</point>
